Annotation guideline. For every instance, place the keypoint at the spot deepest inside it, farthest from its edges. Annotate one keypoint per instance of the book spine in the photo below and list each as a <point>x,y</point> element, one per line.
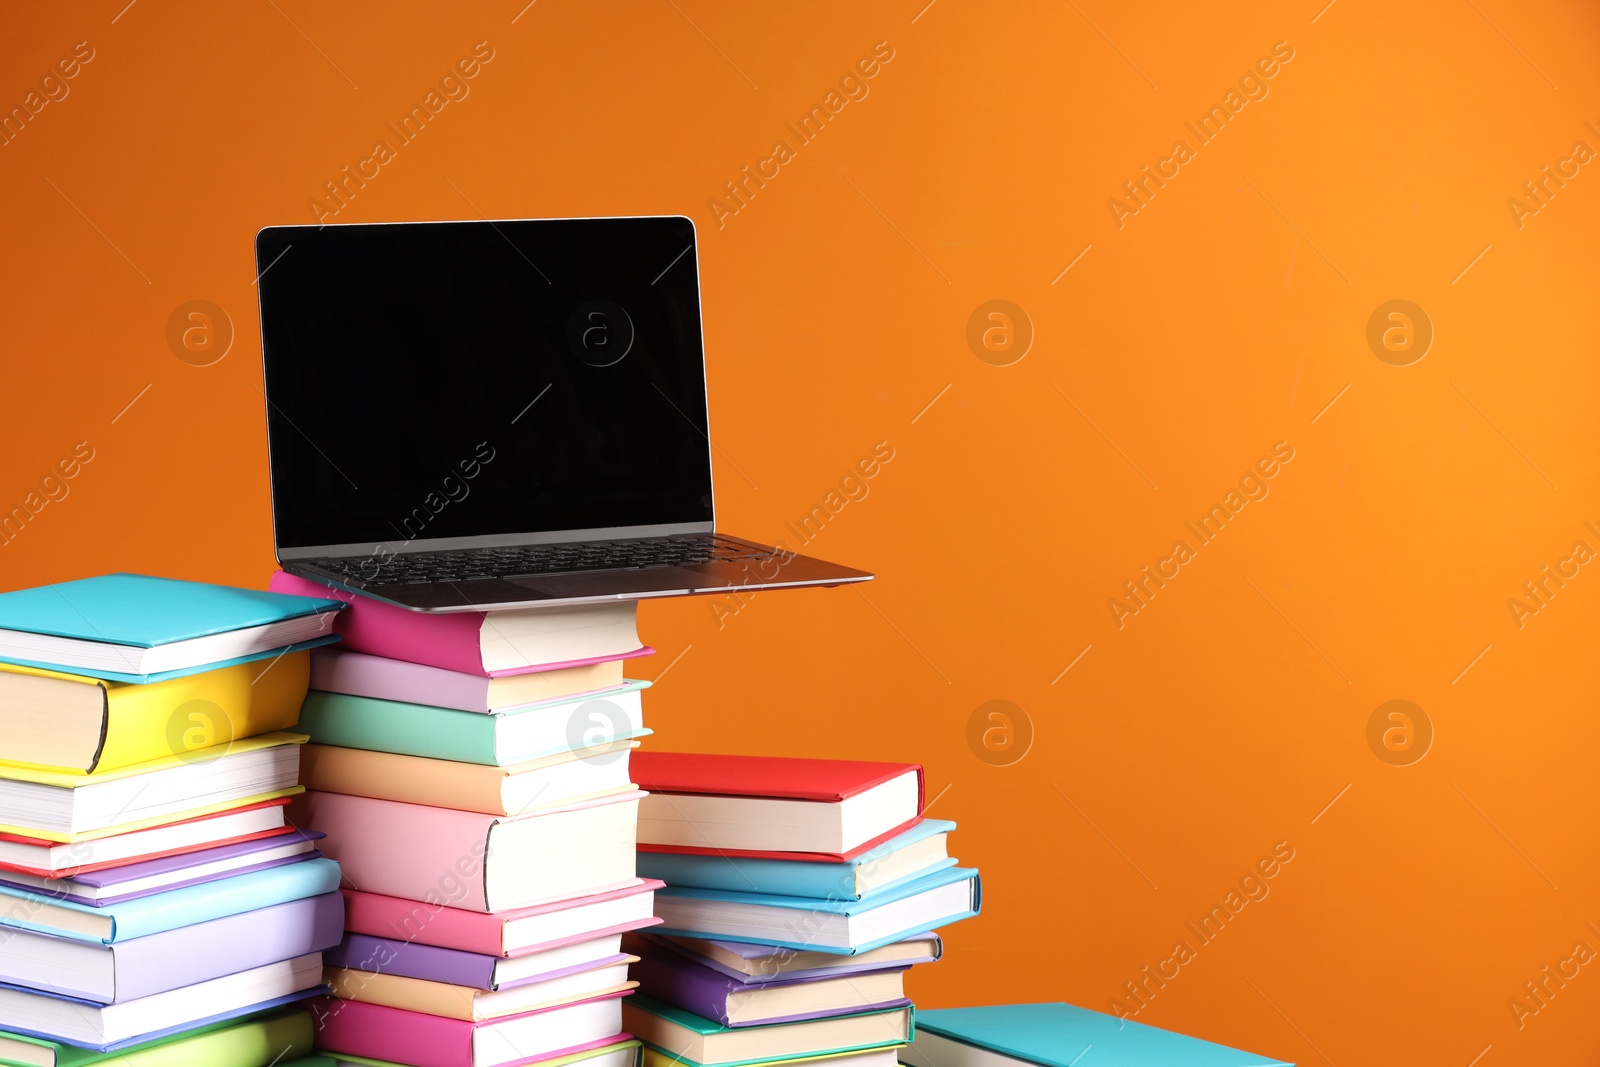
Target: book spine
<point>836,881</point>
<point>197,953</point>
<point>408,779</point>
<point>403,850</point>
<point>376,1032</point>
<point>226,896</point>
<point>406,729</point>
<point>424,922</point>
<point>148,722</point>
<point>366,625</point>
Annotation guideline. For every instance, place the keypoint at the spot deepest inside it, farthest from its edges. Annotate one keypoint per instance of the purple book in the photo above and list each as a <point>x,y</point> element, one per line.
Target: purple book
<point>682,982</point>
<point>408,959</point>
<point>98,889</point>
<point>762,959</point>
<point>111,974</point>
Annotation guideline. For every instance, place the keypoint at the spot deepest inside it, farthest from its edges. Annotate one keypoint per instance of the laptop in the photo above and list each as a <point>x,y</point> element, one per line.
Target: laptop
<point>471,416</point>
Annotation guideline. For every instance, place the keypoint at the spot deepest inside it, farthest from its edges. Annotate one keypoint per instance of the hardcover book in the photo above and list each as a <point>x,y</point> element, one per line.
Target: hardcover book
<point>676,979</point>
<point>510,737</point>
<point>846,927</point>
<point>471,861</point>
<point>172,959</point>
<point>137,628</point>
<point>770,805</point>
<point>253,1041</point>
<point>513,933</point>
<point>491,644</point>
<point>79,724</point>
<point>1056,1035</point>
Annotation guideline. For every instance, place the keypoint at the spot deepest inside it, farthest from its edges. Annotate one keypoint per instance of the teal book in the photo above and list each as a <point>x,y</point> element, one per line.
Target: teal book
<point>811,924</point>
<point>160,912</point>
<point>497,740</point>
<point>677,1038</point>
<point>134,627</point>
<point>1059,1035</point>
<point>918,852</point>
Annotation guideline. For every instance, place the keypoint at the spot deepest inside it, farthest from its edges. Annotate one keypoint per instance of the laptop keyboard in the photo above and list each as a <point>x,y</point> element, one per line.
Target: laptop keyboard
<point>478,563</point>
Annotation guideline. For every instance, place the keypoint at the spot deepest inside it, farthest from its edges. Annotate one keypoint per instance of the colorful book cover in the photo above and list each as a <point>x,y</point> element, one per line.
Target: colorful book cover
<point>137,722</point>
<point>432,923</point>
<point>144,611</point>
<point>801,907</point>
<point>763,960</point>
<point>637,1013</point>
<point>421,1040</point>
<point>254,1041</point>
<point>615,1049</point>
<point>462,736</point>
<point>185,955</point>
<point>180,907</point>
<point>1057,1035</point>
<point>675,979</point>
<point>341,670</point>
<point>787,877</point>
<point>425,853</point>
<point>186,869</point>
<point>453,642</point>
<point>51,853</point>
<point>429,963</point>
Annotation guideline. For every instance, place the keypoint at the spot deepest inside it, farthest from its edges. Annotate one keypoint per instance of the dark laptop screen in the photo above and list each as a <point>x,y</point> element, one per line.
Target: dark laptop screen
<point>462,379</point>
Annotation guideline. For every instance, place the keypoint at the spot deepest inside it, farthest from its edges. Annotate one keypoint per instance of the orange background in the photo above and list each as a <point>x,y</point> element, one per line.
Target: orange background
<point>1221,318</point>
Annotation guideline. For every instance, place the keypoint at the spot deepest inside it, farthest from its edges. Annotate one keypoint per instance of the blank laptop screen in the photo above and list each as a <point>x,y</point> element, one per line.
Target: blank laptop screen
<point>466,379</point>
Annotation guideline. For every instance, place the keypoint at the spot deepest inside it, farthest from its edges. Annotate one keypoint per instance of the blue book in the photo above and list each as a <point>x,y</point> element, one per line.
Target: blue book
<point>1057,1035</point>
<point>133,627</point>
<point>917,853</point>
<point>839,927</point>
<point>160,912</point>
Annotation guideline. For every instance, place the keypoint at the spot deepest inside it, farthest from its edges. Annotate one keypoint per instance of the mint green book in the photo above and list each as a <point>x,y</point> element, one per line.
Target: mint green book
<point>676,1038</point>
<point>276,1037</point>
<point>495,740</point>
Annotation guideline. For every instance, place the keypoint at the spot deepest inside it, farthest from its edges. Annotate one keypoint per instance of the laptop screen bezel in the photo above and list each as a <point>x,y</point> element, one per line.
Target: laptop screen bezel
<point>535,537</point>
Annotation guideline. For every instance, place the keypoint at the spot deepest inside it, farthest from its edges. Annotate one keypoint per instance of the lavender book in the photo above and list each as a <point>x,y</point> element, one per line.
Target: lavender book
<point>684,983</point>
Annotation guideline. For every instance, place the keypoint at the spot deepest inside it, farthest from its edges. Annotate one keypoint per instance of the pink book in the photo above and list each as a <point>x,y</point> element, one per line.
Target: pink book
<point>518,932</point>
<point>335,670</point>
<point>474,861</point>
<point>374,1031</point>
<point>487,644</point>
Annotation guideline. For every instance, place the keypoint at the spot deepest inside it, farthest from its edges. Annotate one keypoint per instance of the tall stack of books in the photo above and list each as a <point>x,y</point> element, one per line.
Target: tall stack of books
<point>156,907</point>
<point>799,893</point>
<point>471,772</point>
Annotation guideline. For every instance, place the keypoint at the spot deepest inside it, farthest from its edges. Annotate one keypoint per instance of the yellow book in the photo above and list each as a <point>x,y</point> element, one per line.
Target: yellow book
<point>68,807</point>
<point>81,725</point>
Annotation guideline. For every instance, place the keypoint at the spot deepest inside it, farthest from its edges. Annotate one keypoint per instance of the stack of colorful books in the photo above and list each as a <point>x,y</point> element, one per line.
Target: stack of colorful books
<point>799,893</point>
<point>156,907</point>
<point>471,772</point>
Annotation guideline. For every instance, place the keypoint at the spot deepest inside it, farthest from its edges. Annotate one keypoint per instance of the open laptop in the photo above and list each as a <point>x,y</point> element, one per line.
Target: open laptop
<point>468,416</point>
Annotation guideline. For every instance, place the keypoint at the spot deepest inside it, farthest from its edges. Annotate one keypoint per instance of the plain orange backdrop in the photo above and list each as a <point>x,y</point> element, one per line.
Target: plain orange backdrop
<point>1231,713</point>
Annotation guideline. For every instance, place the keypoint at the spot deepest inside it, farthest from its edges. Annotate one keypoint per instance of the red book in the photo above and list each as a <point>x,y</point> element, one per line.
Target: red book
<point>773,807</point>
